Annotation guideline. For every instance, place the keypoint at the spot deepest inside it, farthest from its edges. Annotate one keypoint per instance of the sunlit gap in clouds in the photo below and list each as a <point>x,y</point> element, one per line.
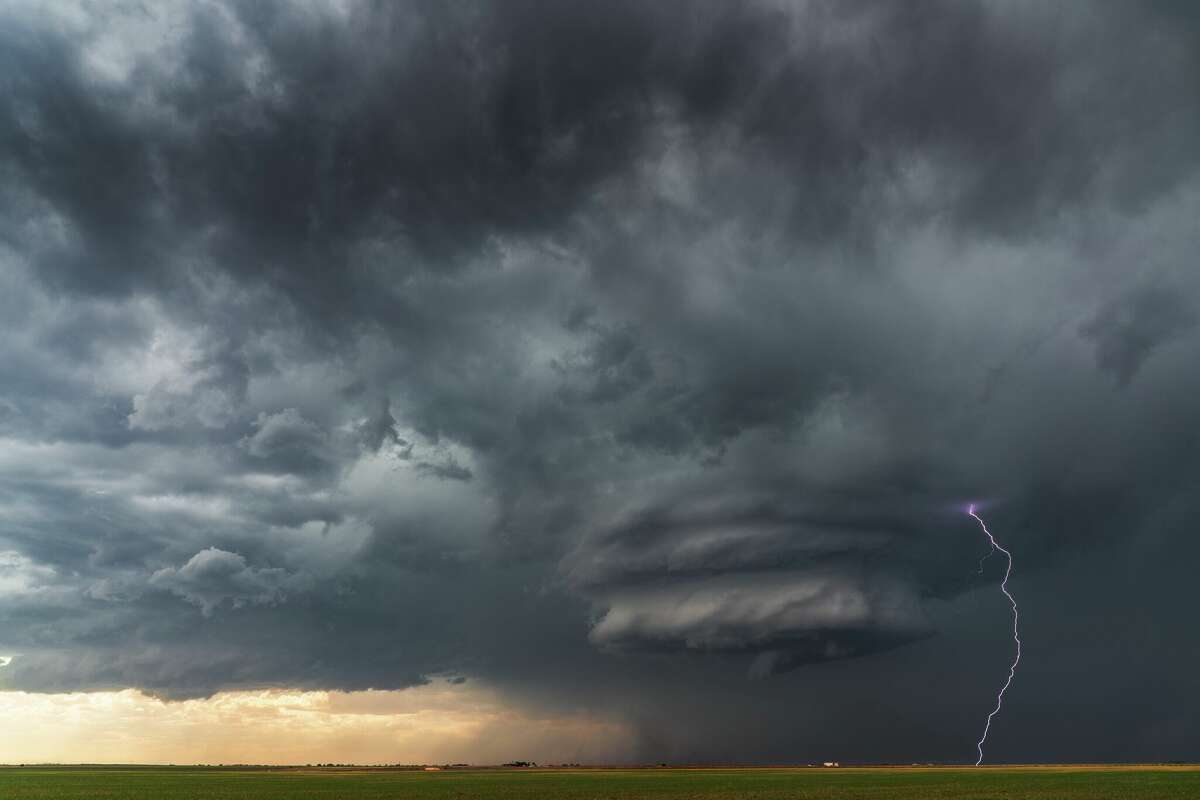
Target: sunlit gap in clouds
<point>439,722</point>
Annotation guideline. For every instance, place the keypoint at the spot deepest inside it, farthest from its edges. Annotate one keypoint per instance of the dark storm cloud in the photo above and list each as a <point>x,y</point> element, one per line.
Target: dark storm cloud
<point>288,442</point>
<point>652,345</point>
<point>1127,330</point>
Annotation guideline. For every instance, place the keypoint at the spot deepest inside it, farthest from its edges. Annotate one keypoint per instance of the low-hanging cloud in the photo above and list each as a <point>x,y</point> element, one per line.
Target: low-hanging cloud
<point>213,577</point>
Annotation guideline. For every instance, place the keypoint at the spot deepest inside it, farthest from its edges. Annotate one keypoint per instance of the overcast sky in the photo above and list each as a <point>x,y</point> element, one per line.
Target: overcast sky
<point>628,363</point>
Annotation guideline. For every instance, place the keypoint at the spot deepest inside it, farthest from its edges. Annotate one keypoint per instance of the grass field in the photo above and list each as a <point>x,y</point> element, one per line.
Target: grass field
<point>1032,783</point>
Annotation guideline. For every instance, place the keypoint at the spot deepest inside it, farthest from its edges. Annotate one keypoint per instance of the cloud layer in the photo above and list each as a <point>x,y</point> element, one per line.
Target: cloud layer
<point>608,353</point>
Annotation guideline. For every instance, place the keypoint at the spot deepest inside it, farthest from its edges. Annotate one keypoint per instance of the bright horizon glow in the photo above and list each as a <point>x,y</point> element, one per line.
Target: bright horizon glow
<point>433,724</point>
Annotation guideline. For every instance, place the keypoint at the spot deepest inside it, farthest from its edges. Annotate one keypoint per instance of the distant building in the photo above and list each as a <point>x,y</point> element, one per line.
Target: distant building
<point>829,764</point>
<point>433,769</point>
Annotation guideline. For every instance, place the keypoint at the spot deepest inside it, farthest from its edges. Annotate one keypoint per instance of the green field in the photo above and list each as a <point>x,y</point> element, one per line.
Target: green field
<point>1033,783</point>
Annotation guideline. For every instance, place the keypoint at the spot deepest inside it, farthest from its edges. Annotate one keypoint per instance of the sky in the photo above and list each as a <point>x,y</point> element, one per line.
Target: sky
<point>605,382</point>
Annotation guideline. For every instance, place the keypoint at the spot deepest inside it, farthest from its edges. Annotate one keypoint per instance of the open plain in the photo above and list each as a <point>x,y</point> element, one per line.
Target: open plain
<point>877,783</point>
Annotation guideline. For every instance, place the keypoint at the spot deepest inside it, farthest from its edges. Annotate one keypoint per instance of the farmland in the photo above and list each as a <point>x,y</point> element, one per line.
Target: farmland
<point>902,783</point>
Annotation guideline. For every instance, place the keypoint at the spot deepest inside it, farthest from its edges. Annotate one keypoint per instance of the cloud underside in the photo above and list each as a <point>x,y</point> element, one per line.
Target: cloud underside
<point>349,346</point>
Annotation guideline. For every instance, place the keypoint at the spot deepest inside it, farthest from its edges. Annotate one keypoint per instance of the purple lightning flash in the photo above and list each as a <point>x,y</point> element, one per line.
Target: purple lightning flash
<point>1012,670</point>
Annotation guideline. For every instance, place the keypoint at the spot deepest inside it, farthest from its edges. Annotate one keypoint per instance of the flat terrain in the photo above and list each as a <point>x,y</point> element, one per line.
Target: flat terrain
<point>1026,783</point>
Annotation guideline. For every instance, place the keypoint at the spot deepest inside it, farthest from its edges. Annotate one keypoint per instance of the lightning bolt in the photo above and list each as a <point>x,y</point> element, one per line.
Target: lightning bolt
<point>1012,670</point>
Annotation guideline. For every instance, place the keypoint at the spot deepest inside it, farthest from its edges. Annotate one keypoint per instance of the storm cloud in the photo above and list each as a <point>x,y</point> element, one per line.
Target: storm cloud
<point>614,354</point>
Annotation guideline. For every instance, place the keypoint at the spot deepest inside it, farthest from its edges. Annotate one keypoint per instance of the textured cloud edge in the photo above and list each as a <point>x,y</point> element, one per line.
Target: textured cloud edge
<point>648,338</point>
